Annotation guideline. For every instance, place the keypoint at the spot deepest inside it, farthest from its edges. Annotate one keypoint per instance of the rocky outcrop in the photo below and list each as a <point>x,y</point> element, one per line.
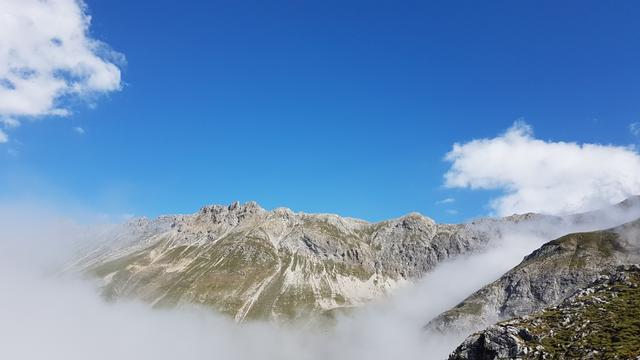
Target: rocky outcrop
<point>545,278</point>
<point>252,263</point>
<point>600,321</point>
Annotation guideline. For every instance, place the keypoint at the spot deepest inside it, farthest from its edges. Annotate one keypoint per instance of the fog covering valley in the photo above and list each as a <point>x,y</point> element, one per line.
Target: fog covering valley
<point>49,312</point>
<point>483,157</point>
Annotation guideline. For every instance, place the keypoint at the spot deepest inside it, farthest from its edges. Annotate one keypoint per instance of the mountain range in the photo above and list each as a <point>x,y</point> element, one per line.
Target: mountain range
<point>250,263</point>
<point>256,264</point>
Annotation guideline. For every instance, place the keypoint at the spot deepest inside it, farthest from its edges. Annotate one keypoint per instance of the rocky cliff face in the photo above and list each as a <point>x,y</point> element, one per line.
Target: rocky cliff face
<point>601,321</point>
<point>252,263</point>
<point>545,277</point>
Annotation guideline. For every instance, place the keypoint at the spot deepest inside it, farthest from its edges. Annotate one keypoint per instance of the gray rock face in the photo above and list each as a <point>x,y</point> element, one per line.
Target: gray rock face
<point>252,263</point>
<point>598,321</point>
<point>545,278</point>
<point>495,342</point>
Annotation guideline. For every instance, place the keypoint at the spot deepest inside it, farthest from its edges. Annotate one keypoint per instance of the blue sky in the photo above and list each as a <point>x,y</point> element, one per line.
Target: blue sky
<point>346,107</point>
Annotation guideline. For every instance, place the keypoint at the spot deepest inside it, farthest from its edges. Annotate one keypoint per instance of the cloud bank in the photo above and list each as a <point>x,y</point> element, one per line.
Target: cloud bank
<point>544,176</point>
<point>47,57</point>
<point>49,316</point>
<point>62,317</point>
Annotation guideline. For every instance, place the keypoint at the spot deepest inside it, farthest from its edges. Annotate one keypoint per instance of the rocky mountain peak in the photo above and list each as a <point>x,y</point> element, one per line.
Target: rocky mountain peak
<point>235,207</point>
<point>416,217</point>
<point>231,214</point>
<point>283,211</point>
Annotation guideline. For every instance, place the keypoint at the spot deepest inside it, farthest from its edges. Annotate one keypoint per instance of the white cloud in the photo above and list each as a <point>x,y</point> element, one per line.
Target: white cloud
<point>9,122</point>
<point>544,176</point>
<point>635,128</point>
<point>48,57</point>
<point>79,130</point>
<point>3,137</point>
<point>451,211</point>
<point>446,201</point>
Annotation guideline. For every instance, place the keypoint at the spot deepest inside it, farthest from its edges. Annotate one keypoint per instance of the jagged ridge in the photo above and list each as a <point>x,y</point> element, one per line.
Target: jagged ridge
<point>252,263</point>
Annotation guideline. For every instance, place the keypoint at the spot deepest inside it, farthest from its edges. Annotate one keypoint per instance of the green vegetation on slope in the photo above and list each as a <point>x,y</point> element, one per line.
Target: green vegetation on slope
<point>600,321</point>
<point>604,322</point>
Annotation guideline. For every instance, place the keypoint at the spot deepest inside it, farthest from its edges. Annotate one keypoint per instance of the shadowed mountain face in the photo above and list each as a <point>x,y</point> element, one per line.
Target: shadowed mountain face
<point>601,321</point>
<point>252,263</point>
<point>545,278</point>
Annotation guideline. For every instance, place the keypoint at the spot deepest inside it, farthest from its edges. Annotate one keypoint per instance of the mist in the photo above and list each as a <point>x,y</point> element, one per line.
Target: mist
<point>45,313</point>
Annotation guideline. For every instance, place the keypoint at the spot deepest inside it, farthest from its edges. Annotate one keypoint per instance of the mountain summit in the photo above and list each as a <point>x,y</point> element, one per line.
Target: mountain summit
<point>253,263</point>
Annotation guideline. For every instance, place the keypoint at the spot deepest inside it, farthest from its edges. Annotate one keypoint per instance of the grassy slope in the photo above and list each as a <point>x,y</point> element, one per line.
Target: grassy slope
<point>606,321</point>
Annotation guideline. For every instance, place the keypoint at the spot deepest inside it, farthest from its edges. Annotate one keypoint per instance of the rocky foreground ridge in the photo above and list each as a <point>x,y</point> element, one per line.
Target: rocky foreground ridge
<point>600,321</point>
<point>545,278</point>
